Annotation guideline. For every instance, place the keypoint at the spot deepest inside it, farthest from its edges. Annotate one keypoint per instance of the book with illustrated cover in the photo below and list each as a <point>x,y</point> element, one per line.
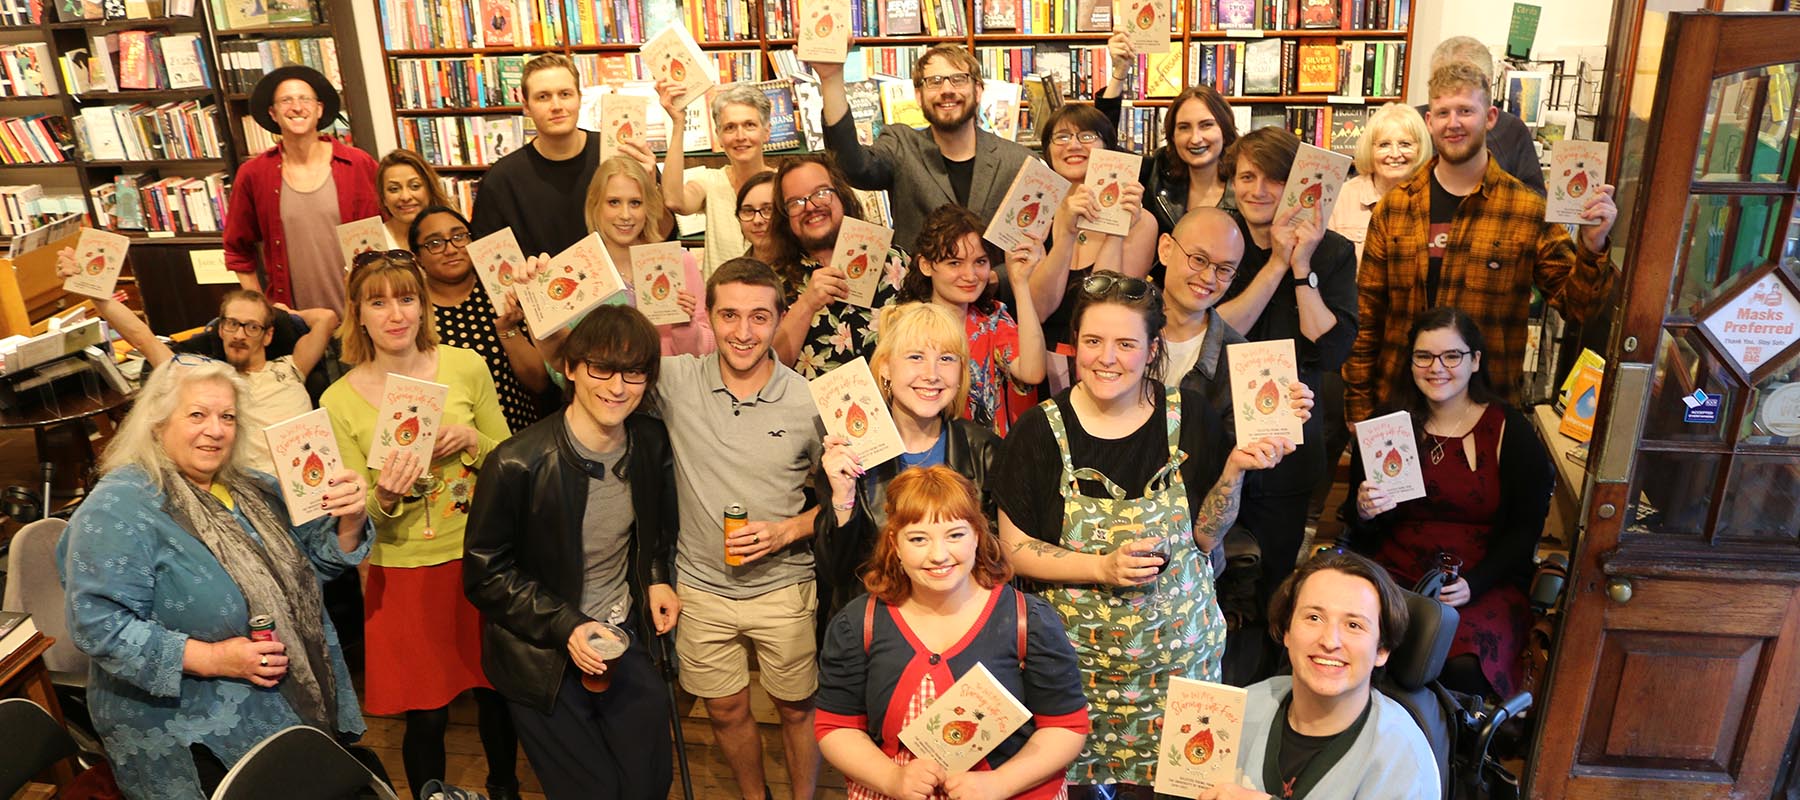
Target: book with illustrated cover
<point>1348,123</point>
<point>1029,208</point>
<point>852,406</point>
<point>366,235</point>
<point>861,254</point>
<point>657,276</point>
<point>1577,169</point>
<point>1318,71</point>
<point>411,410</point>
<point>1236,15</point>
<point>674,55</point>
<point>825,27</point>
<point>497,23</point>
<point>305,454</point>
<point>575,281</point>
<point>1202,736</point>
<point>1320,14</point>
<point>1313,184</point>
<point>622,118</point>
<point>1108,173</point>
<point>99,257</point>
<point>966,723</point>
<point>1261,373</point>
<point>1262,66</point>
<point>1390,455</point>
<point>784,121</point>
<point>496,258</point>
<point>1146,24</point>
<point>999,109</point>
<point>903,18</point>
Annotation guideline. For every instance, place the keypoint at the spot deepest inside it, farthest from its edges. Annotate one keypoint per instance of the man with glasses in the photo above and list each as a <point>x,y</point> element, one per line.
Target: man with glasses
<point>1199,259</point>
<point>286,204</point>
<point>955,162</point>
<point>1465,234</point>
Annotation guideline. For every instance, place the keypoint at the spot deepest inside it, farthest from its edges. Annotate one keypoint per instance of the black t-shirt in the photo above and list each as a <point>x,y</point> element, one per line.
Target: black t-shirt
<point>1443,210</point>
<point>962,173</point>
<point>1027,476</point>
<point>1298,750</point>
<point>543,201</point>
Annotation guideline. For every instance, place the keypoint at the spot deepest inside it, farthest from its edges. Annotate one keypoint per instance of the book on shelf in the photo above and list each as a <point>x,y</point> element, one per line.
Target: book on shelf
<point>173,204</point>
<point>35,139</point>
<point>140,59</point>
<point>1347,126</point>
<point>173,130</point>
<point>463,141</point>
<point>1270,15</point>
<point>243,62</point>
<point>784,124</point>
<point>27,70</point>
<point>20,13</point>
<point>1318,68</point>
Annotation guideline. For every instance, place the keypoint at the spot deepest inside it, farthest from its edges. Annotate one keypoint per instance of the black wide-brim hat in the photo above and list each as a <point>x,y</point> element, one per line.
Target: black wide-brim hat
<point>263,96</point>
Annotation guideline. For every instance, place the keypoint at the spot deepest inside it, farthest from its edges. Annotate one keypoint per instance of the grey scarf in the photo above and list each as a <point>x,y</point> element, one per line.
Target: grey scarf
<point>276,579</point>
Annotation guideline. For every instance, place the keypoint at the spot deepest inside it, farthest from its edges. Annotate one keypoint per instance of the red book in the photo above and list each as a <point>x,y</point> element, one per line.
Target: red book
<point>134,60</point>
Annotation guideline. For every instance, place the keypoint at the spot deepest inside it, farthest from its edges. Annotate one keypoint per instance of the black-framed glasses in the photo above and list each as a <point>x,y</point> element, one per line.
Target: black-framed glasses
<point>229,325</point>
<point>1451,359</point>
<point>957,80</point>
<point>436,245</point>
<point>604,372</point>
<point>820,197</point>
<point>404,258</point>
<point>1084,137</point>
<point>1100,286</point>
<point>1200,264</point>
<point>192,360</point>
<point>746,213</point>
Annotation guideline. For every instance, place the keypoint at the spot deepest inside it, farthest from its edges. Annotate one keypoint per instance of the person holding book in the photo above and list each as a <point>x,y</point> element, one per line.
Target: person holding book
<point>1183,174</point>
<point>408,186</point>
<point>415,603</point>
<point>1488,485</point>
<point>740,115</point>
<point>1393,147</point>
<point>821,330</point>
<point>1464,233</point>
<point>573,529</point>
<point>939,606</point>
<point>919,367</point>
<point>1324,733</point>
<point>954,161</point>
<point>1296,281</point>
<point>462,313</point>
<point>180,543</point>
<point>287,202</point>
<point>954,268</point>
<point>756,216</point>
<point>1510,141</point>
<point>1112,494</point>
<point>625,206</point>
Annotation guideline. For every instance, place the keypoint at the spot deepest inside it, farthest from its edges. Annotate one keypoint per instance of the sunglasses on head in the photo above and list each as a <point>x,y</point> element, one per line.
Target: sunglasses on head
<point>1099,286</point>
<point>367,257</point>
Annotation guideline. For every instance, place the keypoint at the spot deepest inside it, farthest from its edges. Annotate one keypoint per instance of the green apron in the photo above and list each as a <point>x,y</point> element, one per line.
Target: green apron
<point>1130,640</point>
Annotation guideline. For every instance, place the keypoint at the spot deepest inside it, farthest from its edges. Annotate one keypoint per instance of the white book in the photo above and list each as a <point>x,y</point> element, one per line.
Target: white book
<point>411,410</point>
<point>1108,173</point>
<point>1577,169</point>
<point>99,256</point>
<point>824,34</point>
<point>1146,24</point>
<point>851,406</point>
<point>1202,736</point>
<point>674,55</point>
<point>304,452</point>
<point>1261,373</point>
<point>496,258</point>
<point>1313,184</point>
<point>103,134</point>
<point>1029,208</point>
<point>366,235</point>
<point>966,723</point>
<point>1390,455</point>
<point>575,281</point>
<point>658,278</point>
<point>861,254</point>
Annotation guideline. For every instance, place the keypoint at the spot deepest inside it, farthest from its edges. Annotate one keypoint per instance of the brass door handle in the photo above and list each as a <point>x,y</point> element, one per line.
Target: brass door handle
<point>1619,589</point>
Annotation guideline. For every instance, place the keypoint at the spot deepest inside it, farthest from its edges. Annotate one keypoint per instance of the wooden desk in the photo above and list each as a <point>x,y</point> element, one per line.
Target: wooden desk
<point>1571,477</point>
<point>24,675</point>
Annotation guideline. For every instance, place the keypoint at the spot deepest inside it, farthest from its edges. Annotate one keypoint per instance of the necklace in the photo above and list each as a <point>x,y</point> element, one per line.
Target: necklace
<point>1437,443</point>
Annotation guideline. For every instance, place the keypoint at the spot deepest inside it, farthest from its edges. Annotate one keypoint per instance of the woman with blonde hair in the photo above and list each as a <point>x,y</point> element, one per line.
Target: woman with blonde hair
<point>405,185</point>
<point>423,638</point>
<point>626,208</point>
<point>1394,145</point>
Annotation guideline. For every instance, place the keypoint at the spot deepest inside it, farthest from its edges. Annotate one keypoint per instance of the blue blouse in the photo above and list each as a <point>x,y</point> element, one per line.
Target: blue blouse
<point>138,588</point>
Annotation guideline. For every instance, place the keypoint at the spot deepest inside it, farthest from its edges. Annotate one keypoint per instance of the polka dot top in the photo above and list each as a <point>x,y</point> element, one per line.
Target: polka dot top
<point>471,325</point>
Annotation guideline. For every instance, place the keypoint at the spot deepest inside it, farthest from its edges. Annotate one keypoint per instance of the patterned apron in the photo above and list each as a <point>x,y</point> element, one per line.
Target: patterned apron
<point>1129,641</point>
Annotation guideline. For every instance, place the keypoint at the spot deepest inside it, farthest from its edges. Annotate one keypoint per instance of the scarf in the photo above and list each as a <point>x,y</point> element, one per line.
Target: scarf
<point>276,579</point>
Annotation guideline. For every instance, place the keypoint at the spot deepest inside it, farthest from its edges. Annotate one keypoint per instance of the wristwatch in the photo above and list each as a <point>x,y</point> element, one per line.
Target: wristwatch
<point>1311,279</point>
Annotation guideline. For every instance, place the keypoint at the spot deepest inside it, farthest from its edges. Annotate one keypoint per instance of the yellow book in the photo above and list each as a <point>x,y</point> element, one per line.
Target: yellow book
<point>1163,77</point>
<point>1578,417</point>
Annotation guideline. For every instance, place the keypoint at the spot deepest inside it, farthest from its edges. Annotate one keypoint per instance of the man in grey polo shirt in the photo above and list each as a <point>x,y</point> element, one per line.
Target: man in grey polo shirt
<point>745,432</point>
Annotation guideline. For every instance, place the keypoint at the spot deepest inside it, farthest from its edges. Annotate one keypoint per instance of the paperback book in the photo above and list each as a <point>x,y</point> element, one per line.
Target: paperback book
<point>1030,206</point>
<point>852,407</point>
<point>99,257</point>
<point>1261,373</point>
<point>411,410</point>
<point>1390,456</point>
<point>966,723</point>
<point>305,453</point>
<point>657,278</point>
<point>575,281</point>
<point>861,254</point>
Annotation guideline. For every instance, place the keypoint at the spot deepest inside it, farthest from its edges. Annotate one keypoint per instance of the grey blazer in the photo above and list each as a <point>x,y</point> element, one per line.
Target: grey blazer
<point>909,165</point>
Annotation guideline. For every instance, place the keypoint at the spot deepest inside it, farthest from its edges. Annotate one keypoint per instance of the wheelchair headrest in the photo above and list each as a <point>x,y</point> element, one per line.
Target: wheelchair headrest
<point>1429,633</point>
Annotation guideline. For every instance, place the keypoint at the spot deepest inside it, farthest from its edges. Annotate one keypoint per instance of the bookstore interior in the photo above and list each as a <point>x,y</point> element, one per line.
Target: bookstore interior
<point>1658,621</point>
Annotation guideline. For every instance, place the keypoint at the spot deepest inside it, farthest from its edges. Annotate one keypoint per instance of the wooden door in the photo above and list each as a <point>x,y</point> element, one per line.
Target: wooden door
<point>1678,666</point>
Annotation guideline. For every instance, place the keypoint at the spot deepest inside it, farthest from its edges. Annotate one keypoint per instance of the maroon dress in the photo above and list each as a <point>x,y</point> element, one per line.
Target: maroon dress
<point>1458,516</point>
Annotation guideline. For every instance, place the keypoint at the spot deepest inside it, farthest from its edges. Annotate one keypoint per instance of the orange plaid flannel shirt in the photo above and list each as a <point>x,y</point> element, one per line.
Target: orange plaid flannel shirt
<point>1500,246</point>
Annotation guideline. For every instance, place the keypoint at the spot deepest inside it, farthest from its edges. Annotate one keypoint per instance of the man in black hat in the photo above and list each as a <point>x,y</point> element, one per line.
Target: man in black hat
<point>287,202</point>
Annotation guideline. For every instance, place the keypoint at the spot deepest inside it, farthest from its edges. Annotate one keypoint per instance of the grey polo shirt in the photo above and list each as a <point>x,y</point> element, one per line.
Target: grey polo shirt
<point>757,452</point>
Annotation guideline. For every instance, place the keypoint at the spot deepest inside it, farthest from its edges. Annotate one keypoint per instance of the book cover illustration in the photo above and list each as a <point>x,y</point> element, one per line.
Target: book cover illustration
<point>1146,24</point>
<point>824,31</point>
<point>1109,172</point>
<point>852,407</point>
<point>674,55</point>
<point>411,410</point>
<point>1030,206</point>
<point>1261,373</point>
<point>1320,14</point>
<point>99,256</point>
<point>366,235</point>
<point>290,12</point>
<point>1584,403</point>
<point>1236,15</point>
<point>1313,184</point>
<point>1577,169</point>
<point>496,258</point>
<point>496,23</point>
<point>1390,455</point>
<point>1262,66</point>
<point>1318,68</point>
<point>305,453</point>
<point>657,278</point>
<point>999,109</point>
<point>623,118</point>
<point>966,723</point>
<point>1202,736</point>
<point>861,253</point>
<point>575,281</point>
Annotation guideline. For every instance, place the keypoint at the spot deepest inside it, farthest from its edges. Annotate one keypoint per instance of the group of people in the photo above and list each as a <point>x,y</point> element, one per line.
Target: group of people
<point>1070,464</point>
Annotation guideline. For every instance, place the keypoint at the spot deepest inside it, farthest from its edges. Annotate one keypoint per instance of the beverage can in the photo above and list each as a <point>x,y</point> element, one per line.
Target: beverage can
<point>262,628</point>
<point>736,517</point>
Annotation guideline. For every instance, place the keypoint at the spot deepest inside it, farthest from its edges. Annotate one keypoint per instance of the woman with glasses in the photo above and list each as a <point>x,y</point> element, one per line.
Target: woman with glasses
<point>625,207</point>
<point>740,128</point>
<point>407,186</point>
<point>1487,483</point>
<point>463,314</point>
<point>423,638</point>
<point>755,213</point>
<point>1111,495</point>
<point>1393,147</point>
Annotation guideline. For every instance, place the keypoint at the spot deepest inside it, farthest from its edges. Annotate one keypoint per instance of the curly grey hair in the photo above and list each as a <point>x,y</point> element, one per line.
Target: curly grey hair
<point>138,441</point>
<point>742,94</point>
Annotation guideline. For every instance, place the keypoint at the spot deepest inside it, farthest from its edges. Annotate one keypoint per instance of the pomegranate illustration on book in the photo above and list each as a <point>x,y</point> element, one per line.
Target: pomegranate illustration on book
<point>1578,185</point>
<point>660,288</point>
<point>1109,196</point>
<point>859,265</point>
<point>1029,213</point>
<point>407,431</point>
<point>1146,16</point>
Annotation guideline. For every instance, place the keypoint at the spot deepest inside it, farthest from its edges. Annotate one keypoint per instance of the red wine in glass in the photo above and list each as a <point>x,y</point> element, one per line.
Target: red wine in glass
<point>1160,551</point>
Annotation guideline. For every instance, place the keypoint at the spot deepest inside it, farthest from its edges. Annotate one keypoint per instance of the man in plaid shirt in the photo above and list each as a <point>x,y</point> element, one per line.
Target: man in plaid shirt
<point>1464,233</point>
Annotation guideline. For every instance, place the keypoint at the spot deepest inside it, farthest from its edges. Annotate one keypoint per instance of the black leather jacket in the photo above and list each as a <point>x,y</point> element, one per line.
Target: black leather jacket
<point>522,557</point>
<point>839,552</point>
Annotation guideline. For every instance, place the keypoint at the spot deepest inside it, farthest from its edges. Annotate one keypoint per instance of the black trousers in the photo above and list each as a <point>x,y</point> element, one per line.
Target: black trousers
<point>1279,524</point>
<point>614,744</point>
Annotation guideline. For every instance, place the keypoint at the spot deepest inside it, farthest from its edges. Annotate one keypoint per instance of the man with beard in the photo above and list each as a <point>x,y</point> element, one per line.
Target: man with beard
<point>1510,141</point>
<point>954,162</point>
<point>1464,233</point>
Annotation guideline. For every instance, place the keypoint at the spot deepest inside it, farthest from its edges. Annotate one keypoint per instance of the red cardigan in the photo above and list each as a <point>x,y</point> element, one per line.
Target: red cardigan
<point>254,214</point>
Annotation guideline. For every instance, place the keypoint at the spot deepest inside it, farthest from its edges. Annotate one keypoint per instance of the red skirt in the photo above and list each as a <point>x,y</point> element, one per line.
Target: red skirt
<point>421,639</point>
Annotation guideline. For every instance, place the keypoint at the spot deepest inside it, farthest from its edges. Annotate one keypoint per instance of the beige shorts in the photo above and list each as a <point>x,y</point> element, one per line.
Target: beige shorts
<point>714,634</point>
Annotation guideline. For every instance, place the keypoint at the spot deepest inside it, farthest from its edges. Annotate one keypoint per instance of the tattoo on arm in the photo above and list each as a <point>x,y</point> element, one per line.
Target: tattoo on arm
<point>1044,549</point>
<point>1219,510</point>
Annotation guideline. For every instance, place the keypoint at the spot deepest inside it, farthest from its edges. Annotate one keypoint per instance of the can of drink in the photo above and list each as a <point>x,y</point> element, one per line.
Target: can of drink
<point>262,628</point>
<point>735,519</point>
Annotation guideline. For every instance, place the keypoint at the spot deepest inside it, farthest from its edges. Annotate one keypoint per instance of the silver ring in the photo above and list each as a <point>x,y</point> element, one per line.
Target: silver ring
<point>264,661</point>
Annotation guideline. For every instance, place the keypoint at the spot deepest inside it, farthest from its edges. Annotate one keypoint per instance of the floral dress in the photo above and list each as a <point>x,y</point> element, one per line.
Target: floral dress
<point>841,332</point>
<point>995,400</point>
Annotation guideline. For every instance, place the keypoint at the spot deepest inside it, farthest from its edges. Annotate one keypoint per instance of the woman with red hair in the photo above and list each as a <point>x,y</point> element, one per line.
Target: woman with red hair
<point>938,605</point>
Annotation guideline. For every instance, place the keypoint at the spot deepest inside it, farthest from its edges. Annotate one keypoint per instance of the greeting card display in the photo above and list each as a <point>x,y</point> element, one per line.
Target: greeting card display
<point>410,412</point>
<point>964,724</point>
<point>852,407</point>
<point>1202,736</point>
<point>99,256</point>
<point>674,55</point>
<point>1261,373</point>
<point>1576,171</point>
<point>366,235</point>
<point>576,280</point>
<point>1146,24</point>
<point>657,276</point>
<point>1030,206</point>
<point>861,253</point>
<point>496,258</point>
<point>1313,184</point>
<point>305,451</point>
<point>1109,172</point>
<point>1390,455</point>
<point>824,31</point>
<point>623,118</point>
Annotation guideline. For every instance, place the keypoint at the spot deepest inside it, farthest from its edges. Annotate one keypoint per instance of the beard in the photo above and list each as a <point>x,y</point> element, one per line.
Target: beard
<point>951,123</point>
<point>813,244</point>
<point>1474,145</point>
